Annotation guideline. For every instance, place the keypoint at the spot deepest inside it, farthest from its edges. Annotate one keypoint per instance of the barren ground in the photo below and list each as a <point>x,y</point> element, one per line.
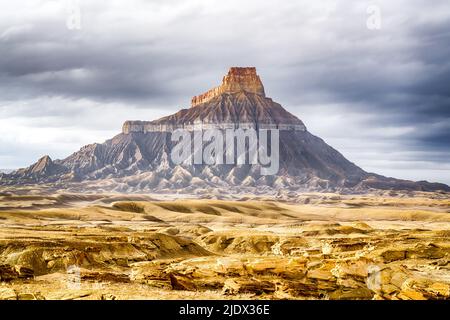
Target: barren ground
<point>313,246</point>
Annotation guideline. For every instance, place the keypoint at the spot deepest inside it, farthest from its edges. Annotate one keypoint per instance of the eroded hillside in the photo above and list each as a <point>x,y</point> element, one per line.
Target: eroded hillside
<point>320,246</point>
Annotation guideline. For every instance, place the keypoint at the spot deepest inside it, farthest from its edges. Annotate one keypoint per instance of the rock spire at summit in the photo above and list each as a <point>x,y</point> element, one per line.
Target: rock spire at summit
<point>238,79</point>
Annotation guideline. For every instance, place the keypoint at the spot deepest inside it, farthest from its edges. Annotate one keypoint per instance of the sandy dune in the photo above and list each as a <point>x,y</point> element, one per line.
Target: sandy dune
<point>313,246</point>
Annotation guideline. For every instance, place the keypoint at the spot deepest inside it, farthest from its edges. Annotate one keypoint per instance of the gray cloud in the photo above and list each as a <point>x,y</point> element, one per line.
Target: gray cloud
<point>379,96</point>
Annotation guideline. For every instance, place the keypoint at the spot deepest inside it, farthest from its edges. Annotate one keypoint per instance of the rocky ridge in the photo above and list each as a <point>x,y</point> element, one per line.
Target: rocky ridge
<point>138,159</point>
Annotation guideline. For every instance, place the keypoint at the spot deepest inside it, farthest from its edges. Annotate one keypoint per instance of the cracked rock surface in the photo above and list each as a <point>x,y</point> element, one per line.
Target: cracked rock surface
<point>112,246</point>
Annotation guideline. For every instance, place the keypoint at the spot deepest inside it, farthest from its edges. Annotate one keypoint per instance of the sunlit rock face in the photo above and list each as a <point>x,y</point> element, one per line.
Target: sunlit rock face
<point>237,80</point>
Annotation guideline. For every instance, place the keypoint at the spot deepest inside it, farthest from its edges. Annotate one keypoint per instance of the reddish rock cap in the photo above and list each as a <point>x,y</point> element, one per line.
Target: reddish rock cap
<point>238,79</point>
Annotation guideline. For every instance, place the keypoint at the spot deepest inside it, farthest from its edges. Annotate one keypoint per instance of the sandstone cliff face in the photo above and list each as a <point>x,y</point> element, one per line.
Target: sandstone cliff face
<point>237,80</point>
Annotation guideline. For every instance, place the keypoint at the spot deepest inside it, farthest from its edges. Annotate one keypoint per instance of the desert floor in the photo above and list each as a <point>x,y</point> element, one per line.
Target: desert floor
<point>314,246</point>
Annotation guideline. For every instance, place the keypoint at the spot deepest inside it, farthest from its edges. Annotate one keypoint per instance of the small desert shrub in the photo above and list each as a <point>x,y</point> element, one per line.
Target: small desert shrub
<point>129,206</point>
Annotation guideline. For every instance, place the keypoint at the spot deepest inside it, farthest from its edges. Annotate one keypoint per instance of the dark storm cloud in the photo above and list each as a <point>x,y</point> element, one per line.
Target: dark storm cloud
<point>388,87</point>
<point>79,68</point>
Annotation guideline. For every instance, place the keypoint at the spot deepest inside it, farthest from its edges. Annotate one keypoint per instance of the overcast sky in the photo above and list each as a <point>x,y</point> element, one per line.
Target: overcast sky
<point>372,78</point>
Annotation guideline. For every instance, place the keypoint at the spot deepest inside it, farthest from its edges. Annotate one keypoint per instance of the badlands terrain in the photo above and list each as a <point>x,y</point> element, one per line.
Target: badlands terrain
<point>381,245</point>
